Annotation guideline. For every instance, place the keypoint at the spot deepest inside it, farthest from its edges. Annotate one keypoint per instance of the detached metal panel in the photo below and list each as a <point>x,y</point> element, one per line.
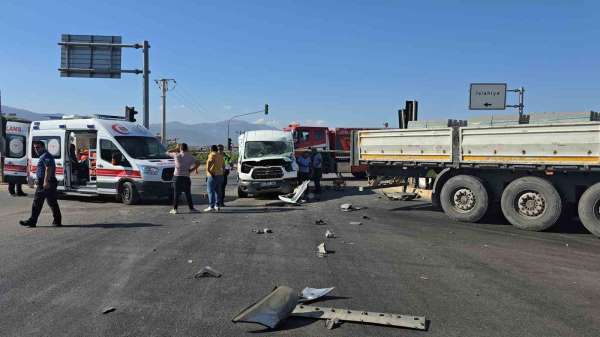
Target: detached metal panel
<point>410,145</point>
<point>542,144</point>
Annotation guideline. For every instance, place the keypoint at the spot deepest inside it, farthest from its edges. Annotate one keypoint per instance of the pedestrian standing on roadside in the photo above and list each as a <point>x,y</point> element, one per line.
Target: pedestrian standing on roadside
<point>185,163</point>
<point>317,169</point>
<point>46,187</point>
<point>15,182</point>
<point>303,167</point>
<point>214,178</point>
<point>226,170</point>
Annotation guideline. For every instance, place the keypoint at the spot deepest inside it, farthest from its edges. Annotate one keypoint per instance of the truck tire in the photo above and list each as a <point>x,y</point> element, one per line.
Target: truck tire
<point>129,194</point>
<point>464,198</point>
<point>242,194</point>
<point>531,203</point>
<point>589,209</point>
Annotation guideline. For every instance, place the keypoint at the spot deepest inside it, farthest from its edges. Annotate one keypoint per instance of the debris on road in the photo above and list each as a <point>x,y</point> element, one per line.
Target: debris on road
<point>332,323</point>
<point>405,196</point>
<point>346,315</point>
<point>311,294</point>
<point>349,207</point>
<point>321,250</point>
<point>190,261</point>
<point>424,278</point>
<point>355,223</point>
<point>284,302</point>
<point>207,271</point>
<point>366,217</point>
<point>108,310</point>
<point>320,222</point>
<point>294,197</point>
<point>329,234</point>
<point>262,230</point>
<point>348,243</point>
<point>272,309</point>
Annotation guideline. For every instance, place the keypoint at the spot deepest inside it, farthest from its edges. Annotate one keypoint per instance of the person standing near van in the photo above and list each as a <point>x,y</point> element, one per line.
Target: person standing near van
<point>226,169</point>
<point>317,169</point>
<point>185,163</point>
<point>46,187</point>
<point>15,182</point>
<point>214,178</point>
<point>303,167</point>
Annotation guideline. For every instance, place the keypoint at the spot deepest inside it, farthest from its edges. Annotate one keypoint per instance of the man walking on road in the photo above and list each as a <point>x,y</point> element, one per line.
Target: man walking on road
<point>46,187</point>
<point>185,163</point>
<point>226,169</point>
<point>214,178</point>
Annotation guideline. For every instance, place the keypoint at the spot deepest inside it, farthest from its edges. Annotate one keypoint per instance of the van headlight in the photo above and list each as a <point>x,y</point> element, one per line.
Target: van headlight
<point>149,170</point>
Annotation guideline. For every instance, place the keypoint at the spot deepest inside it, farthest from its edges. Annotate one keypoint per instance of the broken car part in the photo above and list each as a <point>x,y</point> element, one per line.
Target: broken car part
<point>206,272</point>
<point>331,324</point>
<point>320,222</point>
<point>272,309</point>
<point>355,223</point>
<point>311,294</point>
<point>294,197</point>
<point>346,315</point>
<point>108,310</point>
<point>329,234</point>
<point>321,250</point>
<point>349,207</point>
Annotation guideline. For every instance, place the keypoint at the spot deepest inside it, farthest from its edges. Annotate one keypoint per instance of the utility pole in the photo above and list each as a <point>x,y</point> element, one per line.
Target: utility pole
<point>146,75</point>
<point>163,84</point>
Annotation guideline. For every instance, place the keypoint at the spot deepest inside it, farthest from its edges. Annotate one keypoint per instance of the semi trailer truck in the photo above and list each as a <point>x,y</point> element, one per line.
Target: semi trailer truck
<point>533,172</point>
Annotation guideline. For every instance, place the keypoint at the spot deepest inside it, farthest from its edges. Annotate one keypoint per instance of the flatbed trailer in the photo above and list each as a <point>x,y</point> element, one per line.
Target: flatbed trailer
<point>534,172</point>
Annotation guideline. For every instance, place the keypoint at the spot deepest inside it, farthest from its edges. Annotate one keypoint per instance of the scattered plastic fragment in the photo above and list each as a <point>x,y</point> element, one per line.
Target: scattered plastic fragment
<point>311,294</point>
<point>259,231</point>
<point>321,250</point>
<point>268,230</point>
<point>320,222</point>
<point>207,271</point>
<point>366,217</point>
<point>355,223</point>
<point>329,234</point>
<point>272,309</point>
<point>108,310</point>
<point>332,323</point>
<point>349,207</point>
<point>424,278</point>
<point>190,261</point>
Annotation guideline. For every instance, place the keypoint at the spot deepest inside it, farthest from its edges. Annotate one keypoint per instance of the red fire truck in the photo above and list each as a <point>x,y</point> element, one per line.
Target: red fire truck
<point>334,145</point>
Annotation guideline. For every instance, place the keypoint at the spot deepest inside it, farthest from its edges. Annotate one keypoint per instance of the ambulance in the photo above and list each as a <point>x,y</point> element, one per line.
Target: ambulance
<point>15,161</point>
<point>104,155</point>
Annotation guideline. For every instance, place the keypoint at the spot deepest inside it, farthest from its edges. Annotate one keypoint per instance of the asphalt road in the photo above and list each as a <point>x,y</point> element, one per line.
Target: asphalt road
<point>467,279</point>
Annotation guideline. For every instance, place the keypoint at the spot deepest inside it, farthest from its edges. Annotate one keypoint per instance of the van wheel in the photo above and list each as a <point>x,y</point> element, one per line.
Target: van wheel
<point>531,203</point>
<point>241,193</point>
<point>129,195</point>
<point>464,198</point>
<point>589,209</point>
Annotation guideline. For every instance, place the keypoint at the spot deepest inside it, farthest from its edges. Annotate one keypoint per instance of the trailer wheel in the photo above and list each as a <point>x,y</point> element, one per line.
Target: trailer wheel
<point>531,203</point>
<point>589,209</point>
<point>129,195</point>
<point>241,193</point>
<point>464,198</point>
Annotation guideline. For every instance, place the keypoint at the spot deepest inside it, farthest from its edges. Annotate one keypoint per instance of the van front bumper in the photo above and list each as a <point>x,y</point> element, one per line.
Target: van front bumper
<point>282,186</point>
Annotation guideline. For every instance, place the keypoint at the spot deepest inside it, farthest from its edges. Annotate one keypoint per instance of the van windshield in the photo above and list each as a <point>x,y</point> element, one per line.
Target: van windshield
<point>142,147</point>
<point>267,148</point>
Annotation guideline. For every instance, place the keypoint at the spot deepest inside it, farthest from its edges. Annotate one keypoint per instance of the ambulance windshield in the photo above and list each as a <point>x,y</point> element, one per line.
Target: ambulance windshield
<point>143,147</point>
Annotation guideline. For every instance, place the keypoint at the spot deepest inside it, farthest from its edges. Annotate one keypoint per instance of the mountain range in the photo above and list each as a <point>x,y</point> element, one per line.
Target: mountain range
<point>198,134</point>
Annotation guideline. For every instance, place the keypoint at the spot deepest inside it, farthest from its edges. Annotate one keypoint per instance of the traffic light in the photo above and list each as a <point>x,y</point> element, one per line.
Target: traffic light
<point>229,145</point>
<point>266,109</point>
<point>130,113</point>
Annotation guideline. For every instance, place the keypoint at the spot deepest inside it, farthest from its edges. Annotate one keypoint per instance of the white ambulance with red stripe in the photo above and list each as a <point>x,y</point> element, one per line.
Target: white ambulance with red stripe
<point>15,161</point>
<point>104,155</point>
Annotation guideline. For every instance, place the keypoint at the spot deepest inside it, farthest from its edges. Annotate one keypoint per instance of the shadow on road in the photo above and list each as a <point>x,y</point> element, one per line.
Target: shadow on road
<point>113,225</point>
<point>258,210</point>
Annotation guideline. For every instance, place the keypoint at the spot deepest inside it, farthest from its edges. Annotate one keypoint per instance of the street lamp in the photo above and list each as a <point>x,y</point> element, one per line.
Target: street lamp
<point>229,143</point>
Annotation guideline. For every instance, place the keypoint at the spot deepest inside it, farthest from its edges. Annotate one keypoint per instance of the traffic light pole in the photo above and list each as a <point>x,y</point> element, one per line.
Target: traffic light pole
<point>265,110</point>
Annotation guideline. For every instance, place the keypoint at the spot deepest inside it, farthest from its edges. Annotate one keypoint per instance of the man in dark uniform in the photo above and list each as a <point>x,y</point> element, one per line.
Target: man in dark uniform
<point>46,187</point>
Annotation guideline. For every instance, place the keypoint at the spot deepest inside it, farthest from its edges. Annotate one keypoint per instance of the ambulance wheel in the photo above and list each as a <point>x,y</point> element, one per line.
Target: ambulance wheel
<point>241,193</point>
<point>128,194</point>
<point>589,209</point>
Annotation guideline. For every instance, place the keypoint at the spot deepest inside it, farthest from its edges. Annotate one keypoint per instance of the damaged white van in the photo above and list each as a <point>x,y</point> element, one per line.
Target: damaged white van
<point>106,155</point>
<point>266,163</point>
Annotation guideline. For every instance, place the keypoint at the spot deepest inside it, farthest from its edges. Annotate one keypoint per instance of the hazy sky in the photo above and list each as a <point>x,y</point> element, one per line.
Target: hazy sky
<point>340,63</point>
